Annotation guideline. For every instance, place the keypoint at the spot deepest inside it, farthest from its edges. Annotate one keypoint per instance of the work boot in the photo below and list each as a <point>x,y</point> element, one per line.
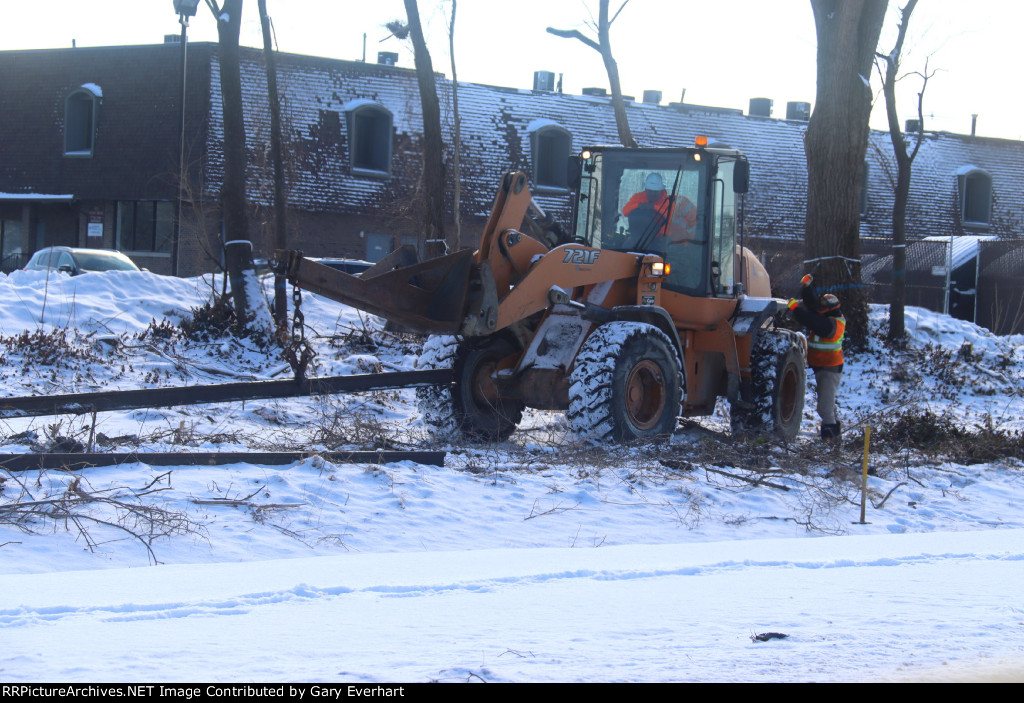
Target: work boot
<point>830,431</point>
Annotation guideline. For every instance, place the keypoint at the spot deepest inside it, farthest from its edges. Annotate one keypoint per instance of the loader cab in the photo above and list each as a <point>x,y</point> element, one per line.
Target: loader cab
<point>681,204</point>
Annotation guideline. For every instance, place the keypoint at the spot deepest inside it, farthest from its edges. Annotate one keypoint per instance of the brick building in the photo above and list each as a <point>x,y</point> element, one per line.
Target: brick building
<point>92,137</point>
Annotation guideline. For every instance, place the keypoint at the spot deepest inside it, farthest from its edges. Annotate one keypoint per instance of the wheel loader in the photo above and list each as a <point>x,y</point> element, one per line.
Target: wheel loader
<point>646,309</point>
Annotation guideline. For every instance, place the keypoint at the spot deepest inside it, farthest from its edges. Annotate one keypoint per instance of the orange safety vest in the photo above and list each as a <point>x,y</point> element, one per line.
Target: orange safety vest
<point>823,352</point>
<point>684,215</point>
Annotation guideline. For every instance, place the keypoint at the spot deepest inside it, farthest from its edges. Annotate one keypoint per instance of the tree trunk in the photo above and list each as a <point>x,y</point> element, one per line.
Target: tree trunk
<point>612,68</point>
<point>835,146</point>
<point>280,204</point>
<point>237,247</point>
<point>904,162</point>
<point>433,162</point>
<point>604,47</point>
<point>455,239</point>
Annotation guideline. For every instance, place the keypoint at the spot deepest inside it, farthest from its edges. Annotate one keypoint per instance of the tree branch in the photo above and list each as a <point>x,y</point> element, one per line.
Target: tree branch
<point>575,34</point>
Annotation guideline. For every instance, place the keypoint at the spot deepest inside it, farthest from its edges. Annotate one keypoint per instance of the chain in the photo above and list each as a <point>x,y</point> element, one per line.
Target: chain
<point>298,352</point>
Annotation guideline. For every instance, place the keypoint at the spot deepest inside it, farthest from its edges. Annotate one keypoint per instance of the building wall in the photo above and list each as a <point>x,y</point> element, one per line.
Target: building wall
<point>335,209</point>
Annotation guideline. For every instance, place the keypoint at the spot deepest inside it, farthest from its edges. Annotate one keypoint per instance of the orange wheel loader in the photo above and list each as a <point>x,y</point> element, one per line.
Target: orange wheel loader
<point>645,310</point>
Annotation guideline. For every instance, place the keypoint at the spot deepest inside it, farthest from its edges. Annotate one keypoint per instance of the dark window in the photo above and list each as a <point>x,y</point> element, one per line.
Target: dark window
<point>551,148</point>
<point>80,123</point>
<point>976,197</point>
<point>369,129</point>
<point>145,226</point>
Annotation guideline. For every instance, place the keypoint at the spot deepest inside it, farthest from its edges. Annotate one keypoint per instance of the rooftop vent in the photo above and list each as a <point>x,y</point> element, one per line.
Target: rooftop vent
<point>760,107</point>
<point>172,39</point>
<point>387,58</point>
<point>912,126</point>
<point>652,97</point>
<point>544,80</point>
<point>596,92</point>
<point>798,111</point>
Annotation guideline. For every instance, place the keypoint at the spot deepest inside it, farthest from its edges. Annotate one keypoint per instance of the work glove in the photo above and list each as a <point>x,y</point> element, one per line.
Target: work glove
<point>793,302</point>
<point>806,280</point>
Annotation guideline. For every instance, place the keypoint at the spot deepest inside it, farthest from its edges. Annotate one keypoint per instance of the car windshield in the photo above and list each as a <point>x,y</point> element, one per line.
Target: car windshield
<point>103,261</point>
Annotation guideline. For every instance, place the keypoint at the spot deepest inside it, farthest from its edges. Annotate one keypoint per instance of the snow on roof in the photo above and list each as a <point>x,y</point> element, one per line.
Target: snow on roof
<point>496,123</point>
<point>964,247</point>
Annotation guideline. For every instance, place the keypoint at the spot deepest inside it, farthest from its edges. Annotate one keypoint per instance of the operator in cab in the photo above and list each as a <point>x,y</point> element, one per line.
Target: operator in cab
<point>650,210</point>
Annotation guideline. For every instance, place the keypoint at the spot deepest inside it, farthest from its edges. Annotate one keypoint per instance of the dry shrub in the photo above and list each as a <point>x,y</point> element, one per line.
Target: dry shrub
<point>948,436</point>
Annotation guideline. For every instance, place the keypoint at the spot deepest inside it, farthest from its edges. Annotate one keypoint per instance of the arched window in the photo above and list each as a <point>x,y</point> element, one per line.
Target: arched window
<point>369,138</point>
<point>551,145</point>
<point>80,110</point>
<point>975,197</point>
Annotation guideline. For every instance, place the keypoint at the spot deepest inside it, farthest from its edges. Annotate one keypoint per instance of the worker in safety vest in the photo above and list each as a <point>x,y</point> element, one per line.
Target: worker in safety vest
<point>654,197</point>
<point>822,316</point>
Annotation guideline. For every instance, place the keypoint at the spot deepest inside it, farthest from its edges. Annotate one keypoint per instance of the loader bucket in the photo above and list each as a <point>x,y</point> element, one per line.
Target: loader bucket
<point>428,297</point>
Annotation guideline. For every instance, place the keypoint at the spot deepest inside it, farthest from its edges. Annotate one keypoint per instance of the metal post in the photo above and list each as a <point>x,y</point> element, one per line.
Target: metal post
<point>864,476</point>
<point>183,18</point>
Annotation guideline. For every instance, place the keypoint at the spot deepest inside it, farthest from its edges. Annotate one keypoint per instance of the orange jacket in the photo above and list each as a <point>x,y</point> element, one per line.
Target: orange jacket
<point>684,214</point>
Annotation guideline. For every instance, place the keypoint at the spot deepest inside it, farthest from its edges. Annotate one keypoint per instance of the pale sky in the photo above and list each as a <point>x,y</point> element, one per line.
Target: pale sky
<point>721,53</point>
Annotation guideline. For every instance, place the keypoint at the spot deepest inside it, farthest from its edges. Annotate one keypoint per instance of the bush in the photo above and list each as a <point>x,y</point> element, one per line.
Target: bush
<point>946,435</point>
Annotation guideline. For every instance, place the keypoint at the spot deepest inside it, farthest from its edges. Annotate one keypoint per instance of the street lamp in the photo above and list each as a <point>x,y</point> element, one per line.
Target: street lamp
<point>184,9</point>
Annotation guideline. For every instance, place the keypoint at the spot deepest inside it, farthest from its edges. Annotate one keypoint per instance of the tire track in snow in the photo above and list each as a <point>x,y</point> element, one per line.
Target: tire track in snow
<point>246,603</point>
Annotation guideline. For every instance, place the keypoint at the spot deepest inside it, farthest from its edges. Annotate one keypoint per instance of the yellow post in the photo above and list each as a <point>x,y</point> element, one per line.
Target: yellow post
<point>864,475</point>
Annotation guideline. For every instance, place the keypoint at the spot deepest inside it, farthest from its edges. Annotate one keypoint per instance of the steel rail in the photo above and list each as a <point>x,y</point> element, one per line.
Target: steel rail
<point>105,401</point>
<point>83,460</point>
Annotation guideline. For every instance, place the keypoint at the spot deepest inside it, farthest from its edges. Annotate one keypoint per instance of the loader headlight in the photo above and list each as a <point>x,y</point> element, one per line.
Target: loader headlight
<point>661,269</point>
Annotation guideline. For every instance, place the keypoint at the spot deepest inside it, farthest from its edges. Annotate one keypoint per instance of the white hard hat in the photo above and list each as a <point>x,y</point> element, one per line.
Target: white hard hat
<point>654,182</point>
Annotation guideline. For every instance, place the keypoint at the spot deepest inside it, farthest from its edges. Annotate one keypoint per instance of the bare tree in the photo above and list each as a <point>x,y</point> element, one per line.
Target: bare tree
<point>237,247</point>
<point>835,145</point>
<point>433,177</point>
<point>456,237</point>
<point>251,313</point>
<point>280,204</point>
<point>604,47</point>
<point>905,155</point>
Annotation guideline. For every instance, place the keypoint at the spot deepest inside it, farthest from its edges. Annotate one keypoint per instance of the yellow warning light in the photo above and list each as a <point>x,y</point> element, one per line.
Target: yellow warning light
<point>660,269</point>
<point>701,140</point>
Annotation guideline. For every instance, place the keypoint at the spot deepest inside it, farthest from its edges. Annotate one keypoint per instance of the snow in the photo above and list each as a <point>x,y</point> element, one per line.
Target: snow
<point>539,559</point>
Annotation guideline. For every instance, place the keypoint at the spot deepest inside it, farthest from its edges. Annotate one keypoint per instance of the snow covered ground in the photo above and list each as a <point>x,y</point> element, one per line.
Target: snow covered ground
<point>535,560</point>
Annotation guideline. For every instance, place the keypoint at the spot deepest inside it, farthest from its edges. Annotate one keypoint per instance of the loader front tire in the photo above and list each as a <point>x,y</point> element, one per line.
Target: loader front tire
<point>626,384</point>
<point>779,383</point>
<point>470,409</point>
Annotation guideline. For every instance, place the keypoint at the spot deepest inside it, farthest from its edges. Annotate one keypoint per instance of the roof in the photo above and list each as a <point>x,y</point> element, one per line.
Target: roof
<point>496,123</point>
<point>137,139</point>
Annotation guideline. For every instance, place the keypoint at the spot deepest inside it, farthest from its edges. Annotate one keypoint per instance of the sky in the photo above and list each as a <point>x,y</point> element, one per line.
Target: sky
<point>719,53</point>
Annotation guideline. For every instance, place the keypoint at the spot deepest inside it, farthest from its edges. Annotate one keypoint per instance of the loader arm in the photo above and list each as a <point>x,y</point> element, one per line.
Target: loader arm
<point>454,294</point>
<point>553,278</point>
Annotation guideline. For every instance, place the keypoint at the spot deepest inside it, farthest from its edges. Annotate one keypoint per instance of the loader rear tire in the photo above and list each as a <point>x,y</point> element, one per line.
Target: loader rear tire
<point>779,383</point>
<point>471,408</point>
<point>626,384</point>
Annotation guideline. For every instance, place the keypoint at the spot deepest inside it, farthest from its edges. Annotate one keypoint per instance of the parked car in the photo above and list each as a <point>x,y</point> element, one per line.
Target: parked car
<point>75,261</point>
